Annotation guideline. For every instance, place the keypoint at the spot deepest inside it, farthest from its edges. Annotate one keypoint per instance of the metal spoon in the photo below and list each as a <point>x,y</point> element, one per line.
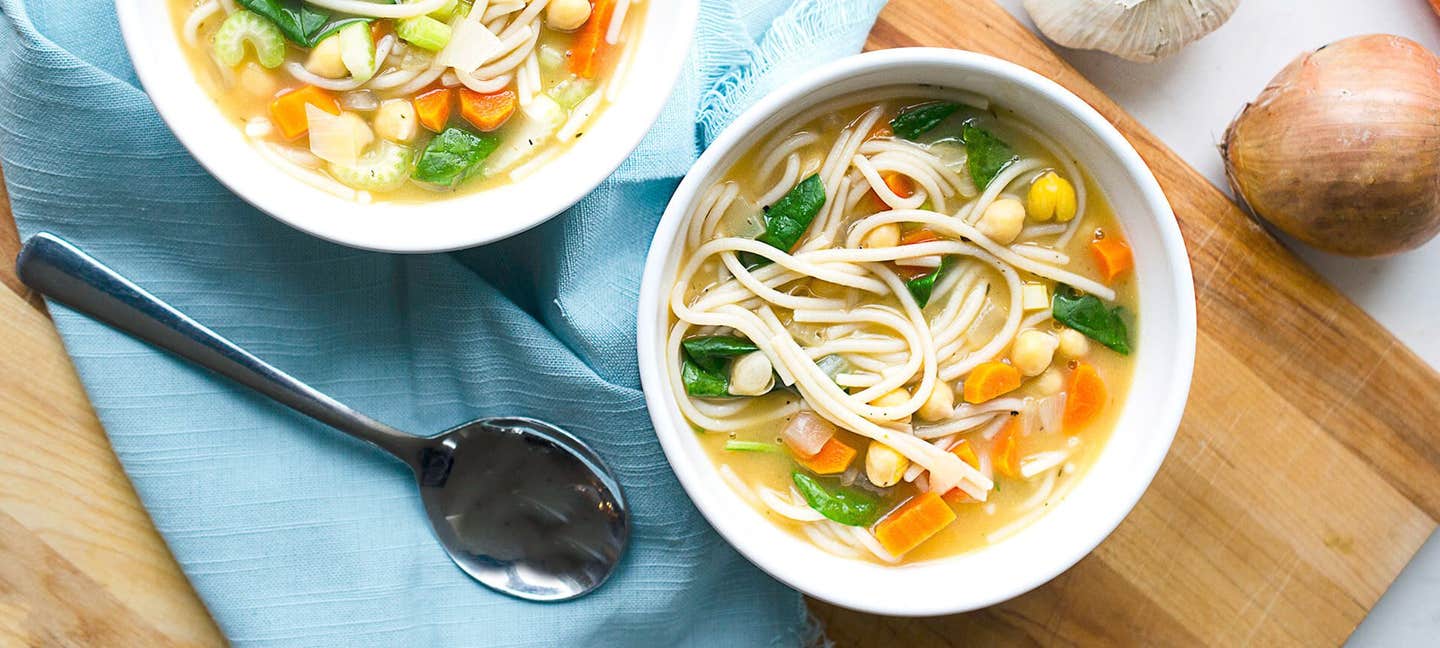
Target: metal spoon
<point>520,505</point>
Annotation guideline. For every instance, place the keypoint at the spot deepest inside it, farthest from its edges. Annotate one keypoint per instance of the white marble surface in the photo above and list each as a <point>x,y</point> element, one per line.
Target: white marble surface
<point>1189,99</point>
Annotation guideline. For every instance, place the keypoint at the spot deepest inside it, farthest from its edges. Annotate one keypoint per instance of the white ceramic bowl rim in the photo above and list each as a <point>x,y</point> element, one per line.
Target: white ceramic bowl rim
<point>462,221</point>
<point>1165,352</point>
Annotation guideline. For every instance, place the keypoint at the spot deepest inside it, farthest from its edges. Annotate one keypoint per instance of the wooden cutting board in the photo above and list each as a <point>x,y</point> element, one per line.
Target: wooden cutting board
<point>1305,475</point>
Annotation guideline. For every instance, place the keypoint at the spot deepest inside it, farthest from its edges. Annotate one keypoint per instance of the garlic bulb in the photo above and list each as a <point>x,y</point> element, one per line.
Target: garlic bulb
<point>1138,30</point>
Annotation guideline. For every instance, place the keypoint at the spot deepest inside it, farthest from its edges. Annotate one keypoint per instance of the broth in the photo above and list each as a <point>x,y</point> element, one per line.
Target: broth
<point>747,436</point>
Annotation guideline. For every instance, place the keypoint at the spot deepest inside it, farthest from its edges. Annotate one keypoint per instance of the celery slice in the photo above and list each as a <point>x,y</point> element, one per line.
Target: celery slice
<point>357,50</point>
<point>248,27</point>
<point>383,169</point>
<point>423,32</point>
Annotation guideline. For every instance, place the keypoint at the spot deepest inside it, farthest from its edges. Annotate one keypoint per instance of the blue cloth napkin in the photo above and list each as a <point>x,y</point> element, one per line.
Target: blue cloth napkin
<point>293,534</point>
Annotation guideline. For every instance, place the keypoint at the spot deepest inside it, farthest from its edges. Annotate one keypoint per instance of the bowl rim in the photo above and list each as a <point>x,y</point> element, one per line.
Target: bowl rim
<point>653,297</point>
<point>247,178</point>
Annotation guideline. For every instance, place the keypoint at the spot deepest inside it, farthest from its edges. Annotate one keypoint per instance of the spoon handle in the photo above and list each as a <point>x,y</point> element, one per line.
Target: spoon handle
<point>68,275</point>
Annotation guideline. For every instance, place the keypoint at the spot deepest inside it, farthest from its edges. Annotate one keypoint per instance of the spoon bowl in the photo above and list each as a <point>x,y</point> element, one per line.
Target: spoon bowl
<point>520,505</point>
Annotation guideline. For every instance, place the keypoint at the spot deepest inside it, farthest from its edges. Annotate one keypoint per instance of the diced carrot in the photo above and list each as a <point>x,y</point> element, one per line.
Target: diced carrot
<point>1112,257</point>
<point>899,183</point>
<point>589,45</point>
<point>989,380</point>
<point>881,129</point>
<point>834,457</point>
<point>288,110</point>
<point>921,235</point>
<point>432,108</point>
<point>487,112</point>
<point>1085,396</point>
<point>378,29</point>
<point>966,453</point>
<point>913,523</point>
<point>1005,452</point>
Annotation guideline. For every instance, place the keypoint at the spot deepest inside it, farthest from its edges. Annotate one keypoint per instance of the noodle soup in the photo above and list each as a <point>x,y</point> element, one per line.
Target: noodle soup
<point>902,325</point>
<point>411,101</point>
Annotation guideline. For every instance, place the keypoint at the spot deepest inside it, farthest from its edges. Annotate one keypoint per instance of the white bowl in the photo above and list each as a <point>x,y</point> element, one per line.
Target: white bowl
<point>449,223</point>
<point>1164,356</point>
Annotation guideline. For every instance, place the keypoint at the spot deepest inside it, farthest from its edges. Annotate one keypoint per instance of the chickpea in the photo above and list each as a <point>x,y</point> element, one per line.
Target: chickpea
<point>941,403</point>
<point>751,375</point>
<point>325,59</point>
<point>1002,220</point>
<point>567,15</point>
<point>396,121</point>
<point>257,81</point>
<point>1050,382</point>
<point>1032,352</point>
<point>887,235</point>
<point>1051,196</point>
<point>894,398</point>
<point>883,465</point>
<point>1074,344</point>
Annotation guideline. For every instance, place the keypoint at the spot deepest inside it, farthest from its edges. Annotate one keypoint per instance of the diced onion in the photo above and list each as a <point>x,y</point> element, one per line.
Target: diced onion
<point>807,433</point>
<point>470,46</point>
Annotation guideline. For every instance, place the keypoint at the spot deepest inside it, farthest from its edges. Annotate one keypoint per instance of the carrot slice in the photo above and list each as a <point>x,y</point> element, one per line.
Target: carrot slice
<point>432,108</point>
<point>913,523</point>
<point>966,453</point>
<point>921,235</point>
<point>288,110</point>
<point>1005,452</point>
<point>899,183</point>
<point>989,380</point>
<point>589,45</point>
<point>487,112</point>
<point>834,457</point>
<point>1112,257</point>
<point>1085,396</point>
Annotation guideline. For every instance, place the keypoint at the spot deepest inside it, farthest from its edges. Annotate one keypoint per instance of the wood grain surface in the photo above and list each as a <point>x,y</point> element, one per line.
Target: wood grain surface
<point>1305,475</point>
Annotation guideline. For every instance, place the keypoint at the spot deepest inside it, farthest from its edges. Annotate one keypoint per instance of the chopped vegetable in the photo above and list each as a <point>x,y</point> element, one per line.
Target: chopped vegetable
<point>922,235</point>
<point>986,154</point>
<point>713,351</point>
<point>299,23</point>
<point>834,457</point>
<point>246,27</point>
<point>448,10</point>
<point>807,433</point>
<point>424,32</point>
<point>383,169</point>
<point>487,112</point>
<point>589,45</point>
<point>1051,196</point>
<point>357,51</point>
<point>844,505</point>
<point>1085,396</point>
<point>921,287</point>
<point>454,156</point>
<point>288,110</point>
<point>1005,451</point>
<point>914,121</point>
<point>913,522</point>
<point>542,118</point>
<point>570,92</point>
<point>787,220</point>
<point>1087,314</point>
<point>899,183</point>
<point>734,445</point>
<point>1112,257</point>
<point>338,139</point>
<point>702,382</point>
<point>989,380</point>
<point>1034,296</point>
<point>433,108</point>
<point>966,452</point>
<point>471,45</point>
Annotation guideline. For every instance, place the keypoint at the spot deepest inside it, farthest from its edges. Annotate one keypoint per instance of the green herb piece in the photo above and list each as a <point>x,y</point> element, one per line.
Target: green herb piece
<point>914,121</point>
<point>986,154</point>
<point>734,445</point>
<point>297,21</point>
<point>921,287</point>
<point>844,505</point>
<point>787,220</point>
<point>711,352</point>
<point>702,382</point>
<point>1087,314</point>
<point>454,156</point>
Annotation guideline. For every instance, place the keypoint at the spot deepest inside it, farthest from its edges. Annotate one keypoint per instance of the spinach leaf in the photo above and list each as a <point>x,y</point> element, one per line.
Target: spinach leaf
<point>703,382</point>
<point>300,24</point>
<point>791,215</point>
<point>921,287</point>
<point>1086,313</point>
<point>454,156</point>
<point>844,505</point>
<point>914,121</point>
<point>713,351</point>
<point>986,154</point>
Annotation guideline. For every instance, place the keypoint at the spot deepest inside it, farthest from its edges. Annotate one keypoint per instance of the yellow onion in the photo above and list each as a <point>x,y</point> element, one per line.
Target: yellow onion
<point>1342,149</point>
